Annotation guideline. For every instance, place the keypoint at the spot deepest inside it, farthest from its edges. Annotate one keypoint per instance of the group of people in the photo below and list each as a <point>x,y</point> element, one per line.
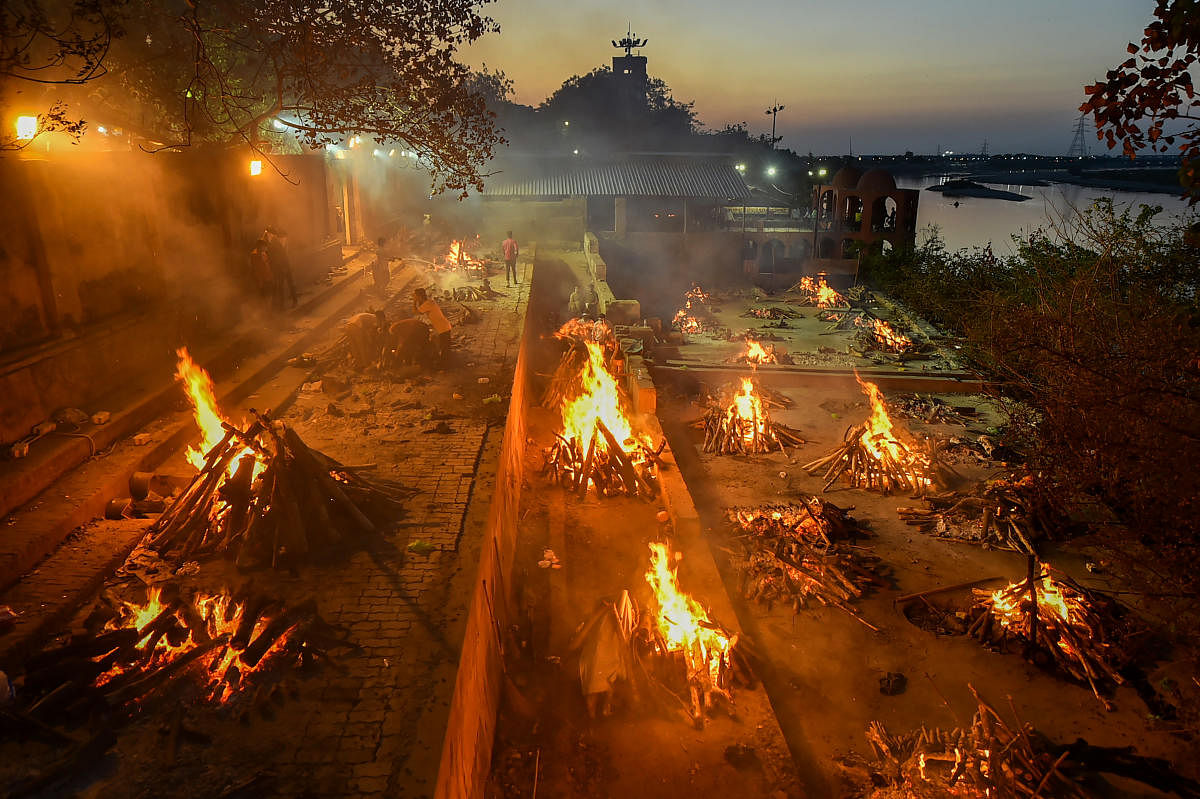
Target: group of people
<point>271,269</point>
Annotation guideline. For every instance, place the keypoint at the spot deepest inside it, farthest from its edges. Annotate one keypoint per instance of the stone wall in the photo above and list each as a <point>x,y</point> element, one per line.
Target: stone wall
<point>109,260</point>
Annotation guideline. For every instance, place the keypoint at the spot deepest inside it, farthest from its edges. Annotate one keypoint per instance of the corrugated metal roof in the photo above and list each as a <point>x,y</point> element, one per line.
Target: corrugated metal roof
<point>634,176</point>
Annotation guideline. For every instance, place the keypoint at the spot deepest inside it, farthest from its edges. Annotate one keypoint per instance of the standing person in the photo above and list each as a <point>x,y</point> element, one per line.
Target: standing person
<point>511,251</point>
<point>437,320</point>
<point>380,271</point>
<point>260,270</point>
<point>281,265</point>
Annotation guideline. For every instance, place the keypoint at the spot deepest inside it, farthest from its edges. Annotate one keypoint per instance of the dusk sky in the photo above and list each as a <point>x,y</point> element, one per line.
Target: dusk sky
<point>895,76</point>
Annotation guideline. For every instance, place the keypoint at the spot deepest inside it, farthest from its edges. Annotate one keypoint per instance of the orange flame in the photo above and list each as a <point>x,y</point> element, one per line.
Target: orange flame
<point>749,408</point>
<point>683,623</point>
<point>200,393</point>
<point>824,295</point>
<point>1052,601</point>
<point>600,400</point>
<point>881,441</point>
<point>888,337</point>
<point>756,353</point>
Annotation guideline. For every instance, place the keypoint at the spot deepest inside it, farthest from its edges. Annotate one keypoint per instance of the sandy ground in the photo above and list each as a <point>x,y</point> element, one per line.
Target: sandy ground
<point>823,667</point>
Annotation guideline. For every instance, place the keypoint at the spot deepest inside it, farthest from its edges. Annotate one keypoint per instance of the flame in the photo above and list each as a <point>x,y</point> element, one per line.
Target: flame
<point>687,322</point>
<point>199,388</point>
<point>1052,602</point>
<point>600,400</point>
<point>756,353</point>
<point>749,409</point>
<point>457,256</point>
<point>880,439</point>
<point>683,623</point>
<point>824,295</point>
<point>889,338</point>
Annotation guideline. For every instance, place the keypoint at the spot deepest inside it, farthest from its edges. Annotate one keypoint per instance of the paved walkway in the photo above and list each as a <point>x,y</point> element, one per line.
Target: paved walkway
<point>371,723</point>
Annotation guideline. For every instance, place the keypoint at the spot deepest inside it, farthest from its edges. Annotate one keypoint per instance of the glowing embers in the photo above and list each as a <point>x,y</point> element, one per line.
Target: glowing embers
<point>881,456</point>
<point>818,292</point>
<point>741,425</point>
<point>597,445</point>
<point>694,317</point>
<point>132,650</point>
<point>757,354</point>
<point>1055,615</point>
<point>886,337</point>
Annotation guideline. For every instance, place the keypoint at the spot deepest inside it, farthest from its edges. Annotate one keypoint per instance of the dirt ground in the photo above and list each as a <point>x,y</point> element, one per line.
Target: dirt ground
<point>823,668</point>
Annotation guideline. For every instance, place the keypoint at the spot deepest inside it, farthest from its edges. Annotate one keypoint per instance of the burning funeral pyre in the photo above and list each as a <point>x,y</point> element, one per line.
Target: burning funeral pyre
<point>262,496</point>
<point>881,335</point>
<point>1012,512</point>
<point>694,317</point>
<point>795,554</point>
<point>567,380</point>
<point>818,292</point>
<point>131,650</point>
<point>881,456</point>
<point>670,643</point>
<point>458,258</point>
<point>597,445</point>
<point>773,312</point>
<point>757,353</point>
<point>1049,614</point>
<point>998,759</point>
<point>742,425</point>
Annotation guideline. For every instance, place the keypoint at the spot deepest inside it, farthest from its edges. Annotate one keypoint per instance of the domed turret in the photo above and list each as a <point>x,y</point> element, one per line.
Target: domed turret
<point>876,181</point>
<point>846,178</point>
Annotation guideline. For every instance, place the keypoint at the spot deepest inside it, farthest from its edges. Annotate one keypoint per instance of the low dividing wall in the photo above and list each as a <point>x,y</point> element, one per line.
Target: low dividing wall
<point>471,728</point>
<point>621,312</point>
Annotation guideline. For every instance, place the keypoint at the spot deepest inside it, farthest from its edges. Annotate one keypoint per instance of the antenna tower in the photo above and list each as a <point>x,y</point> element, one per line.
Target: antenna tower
<point>1079,146</point>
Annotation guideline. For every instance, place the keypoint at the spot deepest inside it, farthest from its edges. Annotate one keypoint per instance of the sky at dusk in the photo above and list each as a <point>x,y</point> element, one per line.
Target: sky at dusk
<point>894,76</point>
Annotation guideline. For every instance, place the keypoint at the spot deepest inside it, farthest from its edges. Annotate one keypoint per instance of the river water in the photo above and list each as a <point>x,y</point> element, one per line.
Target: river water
<point>976,222</point>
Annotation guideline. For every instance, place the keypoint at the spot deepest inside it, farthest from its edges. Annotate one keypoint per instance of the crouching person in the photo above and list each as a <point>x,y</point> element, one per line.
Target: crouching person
<point>407,344</point>
<point>437,320</point>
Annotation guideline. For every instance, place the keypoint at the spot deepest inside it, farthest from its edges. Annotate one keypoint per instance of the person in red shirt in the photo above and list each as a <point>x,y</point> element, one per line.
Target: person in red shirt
<point>511,251</point>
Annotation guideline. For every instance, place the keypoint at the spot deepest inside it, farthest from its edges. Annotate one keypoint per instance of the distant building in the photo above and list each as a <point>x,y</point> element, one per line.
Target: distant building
<point>859,213</point>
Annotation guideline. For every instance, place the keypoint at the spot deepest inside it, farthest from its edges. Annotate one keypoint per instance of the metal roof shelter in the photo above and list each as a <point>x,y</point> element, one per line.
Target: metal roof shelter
<point>635,175</point>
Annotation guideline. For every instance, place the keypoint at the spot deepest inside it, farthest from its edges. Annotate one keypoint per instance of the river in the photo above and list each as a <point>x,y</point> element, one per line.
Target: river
<point>976,222</point>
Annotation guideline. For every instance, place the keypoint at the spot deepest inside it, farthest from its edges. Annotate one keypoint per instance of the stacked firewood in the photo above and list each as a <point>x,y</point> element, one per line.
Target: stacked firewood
<point>795,554</point>
<point>917,470</point>
<point>603,463</point>
<point>124,655</point>
<point>772,312</point>
<point>1051,615</point>
<point>989,758</point>
<point>302,502</point>
<point>739,423</point>
<point>1012,512</point>
<point>567,380</point>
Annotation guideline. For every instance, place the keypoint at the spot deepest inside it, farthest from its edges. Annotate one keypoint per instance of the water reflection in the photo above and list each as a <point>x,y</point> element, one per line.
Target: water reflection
<point>971,222</point>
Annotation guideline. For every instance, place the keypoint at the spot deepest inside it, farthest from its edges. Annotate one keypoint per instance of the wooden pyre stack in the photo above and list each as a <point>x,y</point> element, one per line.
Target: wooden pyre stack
<point>742,425</point>
<point>1051,616</point>
<point>796,554</point>
<point>302,502</point>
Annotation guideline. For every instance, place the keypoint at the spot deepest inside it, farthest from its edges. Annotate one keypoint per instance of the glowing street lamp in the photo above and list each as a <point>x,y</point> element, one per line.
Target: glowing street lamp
<point>26,127</point>
<point>741,168</point>
<point>256,167</point>
<point>822,171</point>
<point>770,171</point>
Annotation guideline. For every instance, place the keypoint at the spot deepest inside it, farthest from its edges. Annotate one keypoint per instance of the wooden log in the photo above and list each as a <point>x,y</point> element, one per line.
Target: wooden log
<point>275,629</point>
<point>161,676</point>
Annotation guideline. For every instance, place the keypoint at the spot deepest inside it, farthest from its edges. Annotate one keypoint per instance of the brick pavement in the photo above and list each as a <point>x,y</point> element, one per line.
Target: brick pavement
<point>372,723</point>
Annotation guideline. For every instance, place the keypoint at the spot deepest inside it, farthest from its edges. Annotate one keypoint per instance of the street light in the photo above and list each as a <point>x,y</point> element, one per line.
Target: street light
<point>256,167</point>
<point>771,171</point>
<point>822,171</point>
<point>772,112</point>
<point>26,127</point>
<point>741,168</point>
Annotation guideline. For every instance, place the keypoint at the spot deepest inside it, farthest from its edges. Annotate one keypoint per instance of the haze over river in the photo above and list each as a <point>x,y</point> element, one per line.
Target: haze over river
<point>975,222</point>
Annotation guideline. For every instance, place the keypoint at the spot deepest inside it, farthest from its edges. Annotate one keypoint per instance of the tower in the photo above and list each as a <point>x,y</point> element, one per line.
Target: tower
<point>1079,147</point>
<point>629,64</point>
